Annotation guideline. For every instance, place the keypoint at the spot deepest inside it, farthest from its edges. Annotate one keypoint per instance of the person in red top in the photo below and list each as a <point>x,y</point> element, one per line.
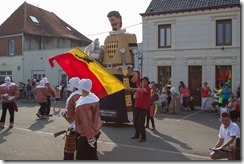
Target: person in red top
<point>152,105</point>
<point>9,92</point>
<point>206,93</point>
<point>142,98</point>
<point>185,95</point>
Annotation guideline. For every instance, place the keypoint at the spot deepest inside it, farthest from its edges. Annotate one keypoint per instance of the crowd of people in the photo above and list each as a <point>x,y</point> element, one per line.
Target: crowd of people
<point>223,98</point>
<point>226,100</point>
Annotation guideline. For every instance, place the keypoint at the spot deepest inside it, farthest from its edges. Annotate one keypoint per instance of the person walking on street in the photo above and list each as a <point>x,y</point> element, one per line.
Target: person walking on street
<point>50,93</point>
<point>153,105</point>
<point>206,93</point>
<point>9,93</point>
<point>142,98</point>
<point>41,97</point>
<point>228,133</point>
<point>87,122</point>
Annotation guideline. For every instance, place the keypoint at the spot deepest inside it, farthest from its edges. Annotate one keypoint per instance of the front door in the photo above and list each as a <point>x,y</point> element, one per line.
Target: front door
<point>195,83</point>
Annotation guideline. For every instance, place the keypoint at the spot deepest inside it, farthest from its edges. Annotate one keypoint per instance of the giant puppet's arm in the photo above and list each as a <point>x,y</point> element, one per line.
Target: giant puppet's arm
<point>95,51</point>
<point>132,41</point>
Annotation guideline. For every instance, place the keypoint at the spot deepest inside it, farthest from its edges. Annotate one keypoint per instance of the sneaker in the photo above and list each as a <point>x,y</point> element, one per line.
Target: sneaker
<point>11,126</point>
<point>142,140</point>
<point>147,126</point>
<point>153,128</point>
<point>1,126</point>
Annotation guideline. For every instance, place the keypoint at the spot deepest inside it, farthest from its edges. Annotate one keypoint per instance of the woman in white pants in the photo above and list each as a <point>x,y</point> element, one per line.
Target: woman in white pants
<point>206,93</point>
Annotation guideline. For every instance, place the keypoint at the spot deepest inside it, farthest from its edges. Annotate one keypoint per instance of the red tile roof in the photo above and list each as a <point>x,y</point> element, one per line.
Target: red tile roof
<point>50,24</point>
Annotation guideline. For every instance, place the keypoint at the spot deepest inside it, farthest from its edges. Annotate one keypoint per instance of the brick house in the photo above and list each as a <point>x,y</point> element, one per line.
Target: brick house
<point>29,37</point>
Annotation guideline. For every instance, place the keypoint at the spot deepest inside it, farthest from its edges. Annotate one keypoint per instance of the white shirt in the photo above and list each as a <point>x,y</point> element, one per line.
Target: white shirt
<point>231,130</point>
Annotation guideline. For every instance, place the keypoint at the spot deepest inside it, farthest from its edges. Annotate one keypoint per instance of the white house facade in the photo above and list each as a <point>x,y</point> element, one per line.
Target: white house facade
<point>193,47</point>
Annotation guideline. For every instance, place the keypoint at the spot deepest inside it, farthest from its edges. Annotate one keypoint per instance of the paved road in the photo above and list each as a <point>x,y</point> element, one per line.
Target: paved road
<point>178,137</point>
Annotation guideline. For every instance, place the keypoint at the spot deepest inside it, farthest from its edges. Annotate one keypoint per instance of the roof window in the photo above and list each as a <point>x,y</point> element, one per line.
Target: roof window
<point>34,19</point>
<point>68,28</point>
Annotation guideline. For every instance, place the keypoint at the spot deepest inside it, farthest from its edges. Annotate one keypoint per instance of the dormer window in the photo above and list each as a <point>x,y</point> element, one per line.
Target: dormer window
<point>34,19</point>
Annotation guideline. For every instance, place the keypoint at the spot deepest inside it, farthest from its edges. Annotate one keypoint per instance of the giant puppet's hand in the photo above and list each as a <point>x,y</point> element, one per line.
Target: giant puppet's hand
<point>134,76</point>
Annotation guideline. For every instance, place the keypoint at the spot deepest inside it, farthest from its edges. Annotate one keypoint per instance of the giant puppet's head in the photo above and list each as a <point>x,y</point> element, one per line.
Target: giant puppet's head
<point>115,20</point>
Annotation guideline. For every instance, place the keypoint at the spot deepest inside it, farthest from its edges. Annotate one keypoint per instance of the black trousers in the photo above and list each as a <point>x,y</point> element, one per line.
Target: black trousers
<point>150,118</point>
<point>84,151</point>
<point>48,105</point>
<point>139,122</point>
<point>43,108</point>
<point>7,106</point>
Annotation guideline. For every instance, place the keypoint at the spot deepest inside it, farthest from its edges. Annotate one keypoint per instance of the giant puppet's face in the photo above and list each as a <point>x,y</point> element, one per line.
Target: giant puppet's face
<point>115,23</point>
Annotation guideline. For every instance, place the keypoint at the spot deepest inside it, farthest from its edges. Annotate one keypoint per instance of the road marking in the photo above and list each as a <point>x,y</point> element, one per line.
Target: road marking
<point>152,149</point>
<point>125,145</point>
<point>188,116</point>
<point>40,132</point>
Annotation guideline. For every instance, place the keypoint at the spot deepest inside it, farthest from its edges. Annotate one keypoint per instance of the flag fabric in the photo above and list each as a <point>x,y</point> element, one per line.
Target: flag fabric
<point>77,63</point>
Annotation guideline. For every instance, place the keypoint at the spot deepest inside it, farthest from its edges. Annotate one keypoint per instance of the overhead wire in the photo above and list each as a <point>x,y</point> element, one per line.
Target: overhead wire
<point>109,31</point>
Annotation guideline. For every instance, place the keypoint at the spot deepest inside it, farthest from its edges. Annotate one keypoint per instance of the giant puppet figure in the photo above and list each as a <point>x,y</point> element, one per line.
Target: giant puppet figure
<point>120,56</point>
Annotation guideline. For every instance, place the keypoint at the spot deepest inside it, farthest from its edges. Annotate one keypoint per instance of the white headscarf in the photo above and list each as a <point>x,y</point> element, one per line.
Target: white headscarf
<point>74,82</point>
<point>7,80</point>
<point>85,84</point>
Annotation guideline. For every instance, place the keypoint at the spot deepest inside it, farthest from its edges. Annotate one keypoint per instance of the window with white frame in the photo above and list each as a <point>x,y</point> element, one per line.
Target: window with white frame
<point>11,46</point>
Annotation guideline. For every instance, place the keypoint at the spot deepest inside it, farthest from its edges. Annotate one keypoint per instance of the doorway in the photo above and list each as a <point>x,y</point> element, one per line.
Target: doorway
<point>195,83</point>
